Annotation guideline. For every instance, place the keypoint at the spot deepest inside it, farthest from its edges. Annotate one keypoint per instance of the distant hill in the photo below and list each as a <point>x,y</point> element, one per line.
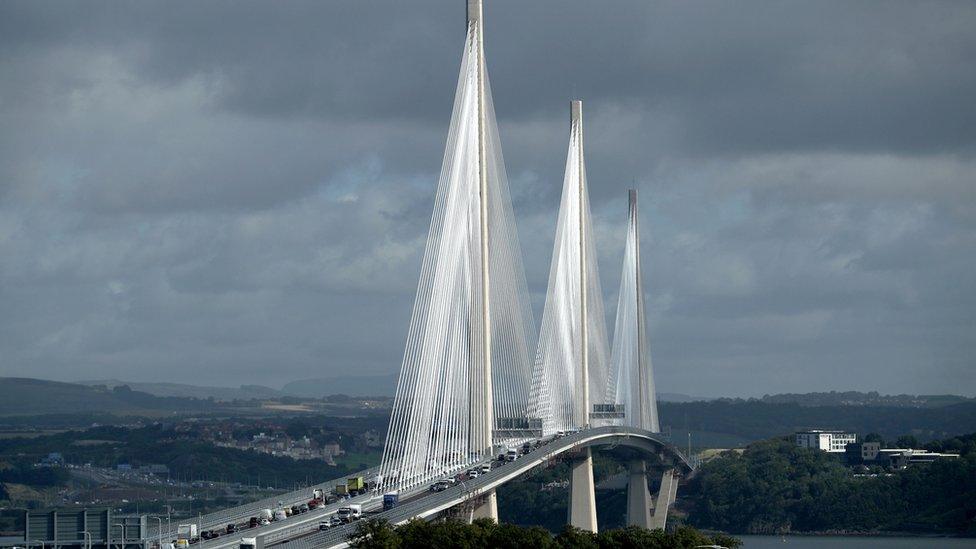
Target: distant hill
<point>873,398</point>
<point>244,392</point>
<point>679,397</point>
<point>26,396</point>
<point>381,385</point>
<point>755,420</point>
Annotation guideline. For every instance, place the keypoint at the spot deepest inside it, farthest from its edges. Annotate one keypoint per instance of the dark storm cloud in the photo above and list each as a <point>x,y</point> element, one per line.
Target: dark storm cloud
<point>242,189</point>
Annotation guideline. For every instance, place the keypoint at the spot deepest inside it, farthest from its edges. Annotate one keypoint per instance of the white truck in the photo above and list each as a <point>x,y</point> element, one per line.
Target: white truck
<point>248,543</point>
<point>187,531</point>
<point>350,513</point>
<point>266,514</point>
<point>280,514</point>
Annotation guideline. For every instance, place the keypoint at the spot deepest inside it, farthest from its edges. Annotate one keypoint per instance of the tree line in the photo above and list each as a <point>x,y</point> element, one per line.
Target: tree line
<point>486,534</point>
<point>774,487</point>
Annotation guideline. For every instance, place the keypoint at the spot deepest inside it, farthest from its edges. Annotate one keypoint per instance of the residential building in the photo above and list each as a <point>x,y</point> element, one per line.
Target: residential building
<point>825,440</point>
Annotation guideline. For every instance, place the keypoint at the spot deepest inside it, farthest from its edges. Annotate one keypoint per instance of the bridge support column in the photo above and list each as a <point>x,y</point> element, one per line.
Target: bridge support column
<point>638,496</point>
<point>582,495</point>
<point>486,509</point>
<point>665,497</point>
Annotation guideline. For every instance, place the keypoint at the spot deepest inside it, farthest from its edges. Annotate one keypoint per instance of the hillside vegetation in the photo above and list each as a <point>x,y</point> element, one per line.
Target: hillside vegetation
<point>776,487</point>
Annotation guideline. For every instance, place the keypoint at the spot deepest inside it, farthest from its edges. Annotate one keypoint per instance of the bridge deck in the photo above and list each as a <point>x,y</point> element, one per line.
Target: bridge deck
<point>432,504</point>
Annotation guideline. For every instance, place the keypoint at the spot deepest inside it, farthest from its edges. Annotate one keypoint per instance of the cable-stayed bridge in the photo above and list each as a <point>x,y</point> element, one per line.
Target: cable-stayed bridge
<point>475,381</point>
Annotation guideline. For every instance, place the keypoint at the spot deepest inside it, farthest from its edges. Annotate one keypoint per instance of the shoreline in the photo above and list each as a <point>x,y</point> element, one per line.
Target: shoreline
<point>846,533</point>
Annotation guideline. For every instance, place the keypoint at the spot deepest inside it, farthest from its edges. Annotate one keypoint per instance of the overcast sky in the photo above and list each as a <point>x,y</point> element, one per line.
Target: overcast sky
<point>237,192</point>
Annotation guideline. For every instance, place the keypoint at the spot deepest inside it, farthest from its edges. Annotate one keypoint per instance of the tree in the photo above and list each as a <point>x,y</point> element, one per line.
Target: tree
<point>906,441</point>
<point>574,538</point>
<point>375,534</point>
<point>874,437</point>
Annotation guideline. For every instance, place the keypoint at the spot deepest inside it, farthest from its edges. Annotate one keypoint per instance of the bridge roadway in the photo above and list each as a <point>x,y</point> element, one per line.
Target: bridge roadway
<point>431,504</point>
<point>242,513</point>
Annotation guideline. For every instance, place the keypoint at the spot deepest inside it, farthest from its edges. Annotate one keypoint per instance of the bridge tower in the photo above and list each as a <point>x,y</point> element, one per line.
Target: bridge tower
<point>582,494</point>
<point>573,352</point>
<point>467,364</point>
<point>632,379</point>
<point>488,509</point>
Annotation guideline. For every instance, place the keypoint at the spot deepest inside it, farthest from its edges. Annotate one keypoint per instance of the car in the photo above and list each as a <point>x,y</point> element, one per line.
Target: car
<point>325,524</point>
<point>511,455</point>
<point>485,468</point>
<point>252,522</point>
<point>303,508</point>
<point>441,485</point>
<point>231,528</point>
<point>335,521</point>
<point>473,473</point>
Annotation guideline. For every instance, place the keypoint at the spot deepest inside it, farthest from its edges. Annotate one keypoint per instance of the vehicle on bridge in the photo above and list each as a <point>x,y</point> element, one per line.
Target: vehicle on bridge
<point>390,500</point>
<point>356,486</point>
<point>187,532</point>
<point>350,513</point>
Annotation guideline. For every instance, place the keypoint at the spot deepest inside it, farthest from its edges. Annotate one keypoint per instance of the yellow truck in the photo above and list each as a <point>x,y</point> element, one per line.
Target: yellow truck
<point>356,486</point>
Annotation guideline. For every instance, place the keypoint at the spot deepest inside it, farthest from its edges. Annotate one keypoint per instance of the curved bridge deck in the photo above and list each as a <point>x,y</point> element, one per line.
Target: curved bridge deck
<point>430,505</point>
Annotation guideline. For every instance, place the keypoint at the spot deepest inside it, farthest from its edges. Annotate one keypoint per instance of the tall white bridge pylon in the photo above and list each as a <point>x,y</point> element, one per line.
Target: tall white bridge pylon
<point>570,370</point>
<point>467,364</point>
<point>631,379</point>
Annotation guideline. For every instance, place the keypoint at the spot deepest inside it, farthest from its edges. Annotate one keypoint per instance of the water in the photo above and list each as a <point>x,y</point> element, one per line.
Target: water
<point>853,542</point>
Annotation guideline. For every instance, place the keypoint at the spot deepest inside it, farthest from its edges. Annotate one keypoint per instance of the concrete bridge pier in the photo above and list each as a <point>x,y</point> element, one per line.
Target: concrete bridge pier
<point>582,495</point>
<point>487,507</point>
<point>638,496</point>
<point>665,497</point>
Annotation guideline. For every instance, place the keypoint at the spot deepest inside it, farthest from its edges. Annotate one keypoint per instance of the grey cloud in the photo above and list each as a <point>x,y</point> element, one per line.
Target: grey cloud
<point>235,192</point>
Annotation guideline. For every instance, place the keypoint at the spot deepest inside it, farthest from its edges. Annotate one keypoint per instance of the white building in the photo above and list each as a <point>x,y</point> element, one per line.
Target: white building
<point>828,441</point>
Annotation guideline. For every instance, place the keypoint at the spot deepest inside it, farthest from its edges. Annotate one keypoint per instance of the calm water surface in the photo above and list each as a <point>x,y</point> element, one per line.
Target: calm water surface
<point>854,542</point>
